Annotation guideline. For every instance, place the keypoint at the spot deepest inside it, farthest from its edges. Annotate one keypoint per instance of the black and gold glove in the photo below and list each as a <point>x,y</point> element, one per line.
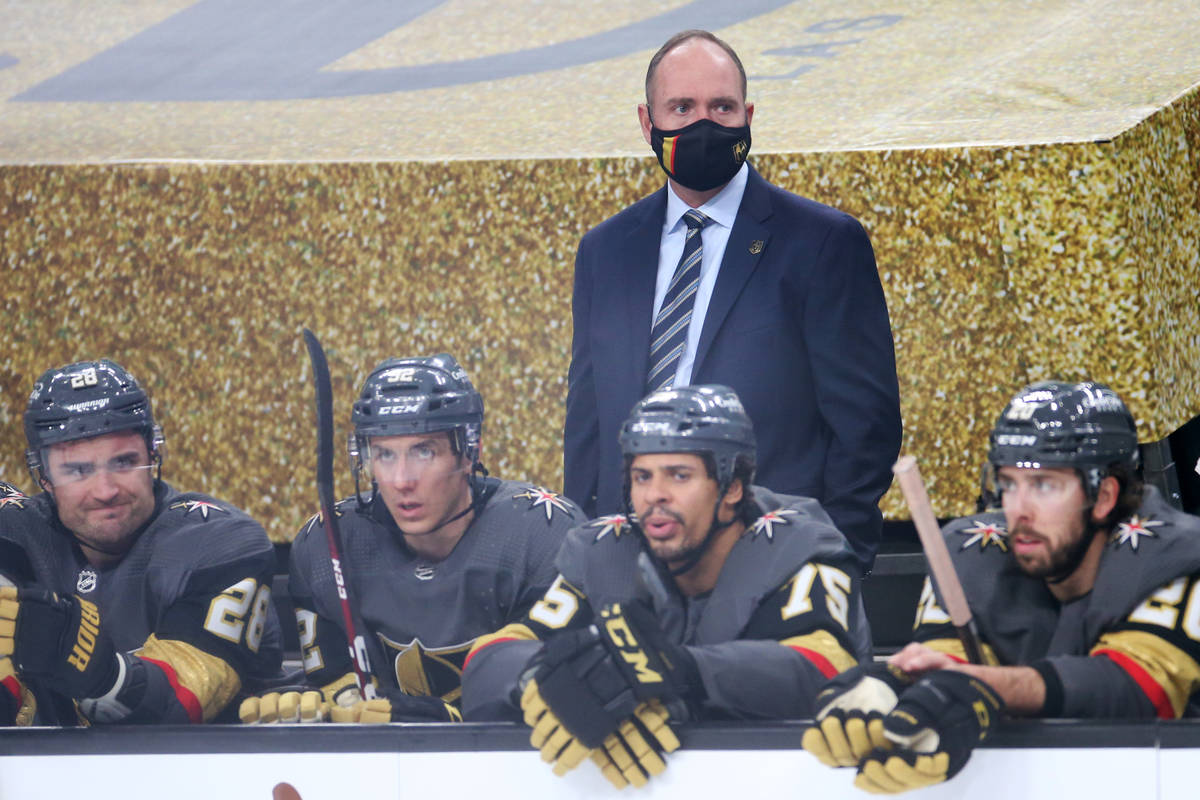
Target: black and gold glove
<point>652,665</point>
<point>850,711</point>
<point>933,729</point>
<point>635,752</point>
<point>298,705</point>
<point>557,745</point>
<point>58,639</point>
<point>393,705</point>
<point>576,678</point>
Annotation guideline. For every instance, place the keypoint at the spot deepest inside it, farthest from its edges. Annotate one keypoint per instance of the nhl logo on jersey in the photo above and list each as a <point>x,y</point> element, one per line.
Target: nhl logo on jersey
<point>1133,530</point>
<point>985,533</point>
<point>86,581</point>
<point>616,524</point>
<point>767,522</point>
<point>203,506</point>
<point>537,496</point>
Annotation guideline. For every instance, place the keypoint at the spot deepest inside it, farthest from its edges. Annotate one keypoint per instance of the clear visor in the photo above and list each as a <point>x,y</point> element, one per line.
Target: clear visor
<point>393,464</point>
<point>68,472</point>
<point>1040,489</point>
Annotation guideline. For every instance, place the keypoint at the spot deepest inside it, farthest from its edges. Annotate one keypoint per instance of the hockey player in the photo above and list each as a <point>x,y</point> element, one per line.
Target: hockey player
<point>137,602</point>
<point>1083,589</point>
<point>718,599</point>
<point>435,555</point>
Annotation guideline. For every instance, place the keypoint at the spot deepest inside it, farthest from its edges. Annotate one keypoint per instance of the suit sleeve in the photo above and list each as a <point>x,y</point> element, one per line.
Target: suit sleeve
<point>1146,665</point>
<point>493,668</point>
<point>848,337</point>
<point>581,455</point>
<point>796,640</point>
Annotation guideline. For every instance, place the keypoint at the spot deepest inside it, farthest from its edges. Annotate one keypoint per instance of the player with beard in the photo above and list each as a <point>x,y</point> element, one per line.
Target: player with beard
<point>1083,589</point>
<point>435,555</point>
<point>709,598</point>
<point>122,599</point>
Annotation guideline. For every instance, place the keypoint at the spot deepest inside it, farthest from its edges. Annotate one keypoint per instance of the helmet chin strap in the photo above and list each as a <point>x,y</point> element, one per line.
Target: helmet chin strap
<point>475,485</point>
<point>693,558</point>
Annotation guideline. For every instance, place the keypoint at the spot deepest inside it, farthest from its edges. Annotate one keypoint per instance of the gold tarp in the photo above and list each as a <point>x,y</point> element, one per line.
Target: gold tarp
<point>1062,243</point>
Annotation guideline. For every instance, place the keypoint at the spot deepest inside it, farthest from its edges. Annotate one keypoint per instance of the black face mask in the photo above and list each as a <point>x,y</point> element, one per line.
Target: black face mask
<point>703,155</point>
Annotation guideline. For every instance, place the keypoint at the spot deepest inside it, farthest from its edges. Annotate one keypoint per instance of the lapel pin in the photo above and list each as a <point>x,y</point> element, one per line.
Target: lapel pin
<point>756,247</point>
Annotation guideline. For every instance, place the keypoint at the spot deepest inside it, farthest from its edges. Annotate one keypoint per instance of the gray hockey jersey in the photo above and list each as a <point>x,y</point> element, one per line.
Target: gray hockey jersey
<point>790,580</point>
<point>191,596</point>
<point>1130,647</point>
<point>421,618</point>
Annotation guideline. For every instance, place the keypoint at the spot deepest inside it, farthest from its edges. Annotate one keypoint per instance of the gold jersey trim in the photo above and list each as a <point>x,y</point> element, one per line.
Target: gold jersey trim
<point>826,645</point>
<point>1176,672</point>
<point>211,679</point>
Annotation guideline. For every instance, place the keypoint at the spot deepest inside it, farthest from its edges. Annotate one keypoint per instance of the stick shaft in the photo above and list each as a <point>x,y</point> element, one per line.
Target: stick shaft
<point>324,402</point>
<point>941,568</point>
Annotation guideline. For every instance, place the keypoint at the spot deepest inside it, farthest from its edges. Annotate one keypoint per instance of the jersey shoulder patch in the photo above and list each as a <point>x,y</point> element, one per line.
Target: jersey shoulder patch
<point>980,533</point>
<point>1132,531</point>
<point>542,501</point>
<point>613,526</point>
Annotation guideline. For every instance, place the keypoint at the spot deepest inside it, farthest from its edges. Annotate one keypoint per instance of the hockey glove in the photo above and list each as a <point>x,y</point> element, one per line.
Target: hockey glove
<point>651,665</point>
<point>393,705</point>
<point>575,677</point>
<point>934,727</point>
<point>635,752</point>
<point>556,744</point>
<point>850,711</point>
<point>299,705</point>
<point>59,639</point>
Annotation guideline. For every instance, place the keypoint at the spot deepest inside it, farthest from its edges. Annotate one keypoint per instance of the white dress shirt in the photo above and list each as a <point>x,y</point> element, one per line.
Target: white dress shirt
<point>722,210</point>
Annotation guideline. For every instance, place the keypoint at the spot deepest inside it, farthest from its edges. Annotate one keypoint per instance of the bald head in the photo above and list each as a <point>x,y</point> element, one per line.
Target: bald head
<point>693,37</point>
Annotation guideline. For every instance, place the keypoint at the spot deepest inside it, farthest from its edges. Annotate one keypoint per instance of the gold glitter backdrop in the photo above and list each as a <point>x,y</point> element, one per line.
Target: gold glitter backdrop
<point>1001,266</point>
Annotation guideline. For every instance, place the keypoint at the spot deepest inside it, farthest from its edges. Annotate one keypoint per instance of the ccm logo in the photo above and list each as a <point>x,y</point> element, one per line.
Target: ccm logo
<point>620,635</point>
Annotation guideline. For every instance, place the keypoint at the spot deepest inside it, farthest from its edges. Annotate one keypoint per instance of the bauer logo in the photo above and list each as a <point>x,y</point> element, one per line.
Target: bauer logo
<point>89,405</point>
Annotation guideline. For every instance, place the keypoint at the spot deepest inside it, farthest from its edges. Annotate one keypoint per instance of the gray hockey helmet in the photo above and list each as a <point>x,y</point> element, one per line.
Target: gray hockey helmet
<point>1084,426</point>
<point>692,419</point>
<point>410,396</point>
<point>82,400</point>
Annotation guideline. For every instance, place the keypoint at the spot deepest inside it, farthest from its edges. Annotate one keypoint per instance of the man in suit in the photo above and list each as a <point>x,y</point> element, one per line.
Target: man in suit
<point>772,294</point>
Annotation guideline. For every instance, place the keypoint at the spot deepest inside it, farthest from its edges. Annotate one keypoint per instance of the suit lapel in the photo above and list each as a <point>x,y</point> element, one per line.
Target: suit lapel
<point>747,242</point>
<point>633,282</point>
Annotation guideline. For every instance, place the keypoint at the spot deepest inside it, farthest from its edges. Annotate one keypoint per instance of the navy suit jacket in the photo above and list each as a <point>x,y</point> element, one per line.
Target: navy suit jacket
<point>797,325</point>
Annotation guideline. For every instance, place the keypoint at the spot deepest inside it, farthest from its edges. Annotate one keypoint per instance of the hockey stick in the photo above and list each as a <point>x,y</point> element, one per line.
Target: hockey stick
<point>324,392</point>
<point>941,567</point>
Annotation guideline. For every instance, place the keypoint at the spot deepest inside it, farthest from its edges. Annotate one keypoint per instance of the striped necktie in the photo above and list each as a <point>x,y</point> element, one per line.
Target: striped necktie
<point>668,337</point>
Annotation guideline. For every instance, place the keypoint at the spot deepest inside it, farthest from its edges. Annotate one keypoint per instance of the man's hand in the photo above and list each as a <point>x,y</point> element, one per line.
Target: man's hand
<point>850,712</point>
<point>652,666</point>
<point>634,753</point>
<point>933,728</point>
<point>58,639</point>
<point>917,659</point>
<point>299,705</point>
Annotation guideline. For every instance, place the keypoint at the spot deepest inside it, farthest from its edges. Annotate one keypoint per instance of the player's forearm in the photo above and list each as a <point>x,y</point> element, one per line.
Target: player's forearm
<point>1023,689</point>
